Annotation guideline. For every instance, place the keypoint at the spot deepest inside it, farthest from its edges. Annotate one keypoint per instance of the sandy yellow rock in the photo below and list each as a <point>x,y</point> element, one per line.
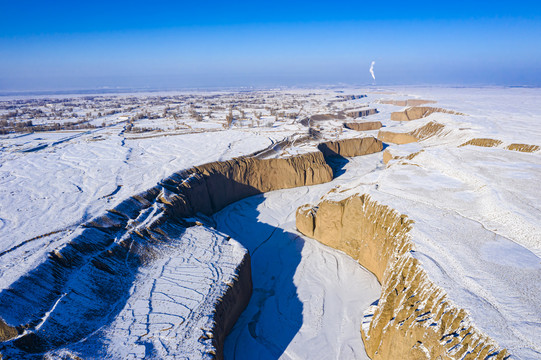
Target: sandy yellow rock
<point>413,319</point>
<point>396,137</point>
<point>428,130</point>
<point>484,142</point>
<point>387,156</point>
<point>523,147</point>
<point>6,332</point>
<point>419,112</point>
<point>351,147</point>
<point>363,126</point>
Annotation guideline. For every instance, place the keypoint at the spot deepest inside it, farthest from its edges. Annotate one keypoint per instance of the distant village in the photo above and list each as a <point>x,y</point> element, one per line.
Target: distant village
<point>155,113</point>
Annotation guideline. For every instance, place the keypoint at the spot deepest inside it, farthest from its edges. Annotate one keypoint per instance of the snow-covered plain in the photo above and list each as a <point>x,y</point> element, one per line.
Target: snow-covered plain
<point>169,307</point>
<point>46,194</point>
<point>476,213</point>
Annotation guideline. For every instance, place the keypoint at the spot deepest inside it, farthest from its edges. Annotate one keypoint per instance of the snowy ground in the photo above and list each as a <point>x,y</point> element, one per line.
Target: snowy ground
<point>476,209</point>
<point>46,194</point>
<point>170,306</point>
<point>308,299</point>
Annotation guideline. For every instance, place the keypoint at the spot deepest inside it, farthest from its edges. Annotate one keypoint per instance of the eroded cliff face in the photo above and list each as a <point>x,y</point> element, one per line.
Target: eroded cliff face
<point>414,318</point>
<point>7,332</point>
<point>82,285</point>
<point>419,112</point>
<point>422,133</point>
<point>396,138</point>
<point>523,147</point>
<point>388,156</point>
<point>363,126</point>
<point>486,142</point>
<point>211,187</point>
<point>351,147</point>
<point>362,113</point>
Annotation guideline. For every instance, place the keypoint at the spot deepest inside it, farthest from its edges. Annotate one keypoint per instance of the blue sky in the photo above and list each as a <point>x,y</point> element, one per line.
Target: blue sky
<point>166,44</point>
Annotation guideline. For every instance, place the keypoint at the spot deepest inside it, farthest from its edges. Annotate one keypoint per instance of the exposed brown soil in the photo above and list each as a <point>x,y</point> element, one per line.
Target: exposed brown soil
<point>428,130</point>
<point>351,147</point>
<point>211,187</point>
<point>523,147</point>
<point>388,156</point>
<point>7,332</point>
<point>414,318</point>
<point>424,132</point>
<point>363,126</point>
<point>396,138</point>
<point>419,112</point>
<point>485,142</point>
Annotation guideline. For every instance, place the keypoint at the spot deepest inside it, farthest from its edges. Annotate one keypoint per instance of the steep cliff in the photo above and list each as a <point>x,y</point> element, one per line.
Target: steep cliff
<point>85,285</point>
<point>363,126</point>
<point>422,133</point>
<point>396,137</point>
<point>414,318</point>
<point>419,112</point>
<point>362,113</point>
<point>351,147</point>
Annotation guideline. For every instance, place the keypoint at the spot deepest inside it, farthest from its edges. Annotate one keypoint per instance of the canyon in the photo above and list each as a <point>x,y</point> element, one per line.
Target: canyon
<point>112,247</point>
<point>226,247</point>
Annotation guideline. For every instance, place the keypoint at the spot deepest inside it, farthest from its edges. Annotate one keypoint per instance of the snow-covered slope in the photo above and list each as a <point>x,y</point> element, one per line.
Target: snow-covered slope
<point>308,299</point>
<point>476,214</point>
<point>476,211</point>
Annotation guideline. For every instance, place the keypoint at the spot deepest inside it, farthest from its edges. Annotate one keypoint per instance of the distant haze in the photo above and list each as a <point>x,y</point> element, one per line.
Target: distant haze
<point>73,45</point>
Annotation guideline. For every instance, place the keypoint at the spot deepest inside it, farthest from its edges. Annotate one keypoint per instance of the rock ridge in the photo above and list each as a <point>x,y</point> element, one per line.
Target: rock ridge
<point>363,126</point>
<point>351,147</point>
<point>133,230</point>
<point>419,112</point>
<point>422,133</point>
<point>414,318</point>
<point>106,252</point>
